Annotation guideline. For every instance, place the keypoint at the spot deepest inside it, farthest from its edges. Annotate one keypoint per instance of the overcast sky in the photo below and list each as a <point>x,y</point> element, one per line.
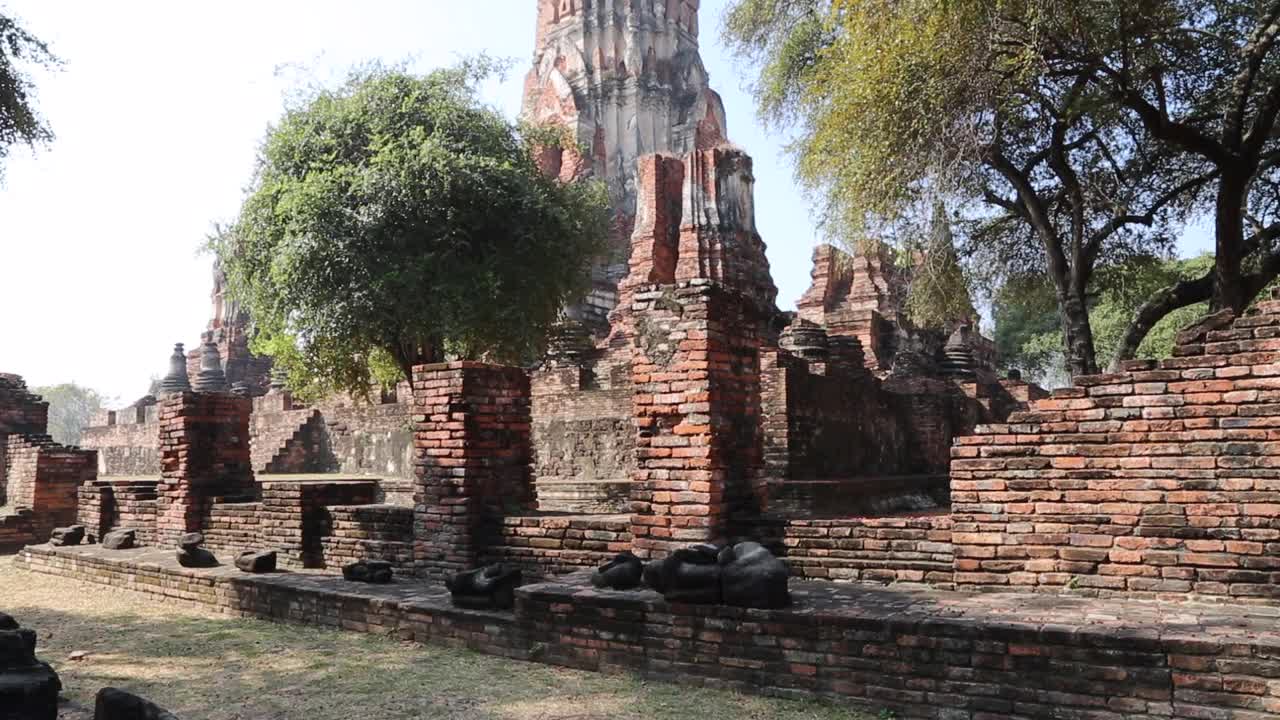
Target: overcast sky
<point>158,112</point>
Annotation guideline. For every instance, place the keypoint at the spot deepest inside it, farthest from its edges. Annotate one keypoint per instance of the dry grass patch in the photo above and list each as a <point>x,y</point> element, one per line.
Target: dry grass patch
<point>208,667</point>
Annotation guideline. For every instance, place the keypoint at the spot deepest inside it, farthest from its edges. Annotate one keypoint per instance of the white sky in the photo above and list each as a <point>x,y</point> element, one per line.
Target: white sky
<point>158,112</point>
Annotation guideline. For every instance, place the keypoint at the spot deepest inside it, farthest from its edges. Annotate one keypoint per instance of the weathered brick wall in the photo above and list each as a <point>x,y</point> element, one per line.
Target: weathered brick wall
<point>472,459</point>
<point>1163,479</point>
<point>107,504</point>
<point>293,517</point>
<point>234,527</point>
<point>204,458</point>
<point>697,411</point>
<point>21,413</point>
<point>940,655</point>
<point>546,546</point>
<point>836,424</point>
<point>580,435</point>
<point>367,532</point>
<point>16,529</point>
<point>129,444</point>
<point>44,477</point>
<point>911,549</point>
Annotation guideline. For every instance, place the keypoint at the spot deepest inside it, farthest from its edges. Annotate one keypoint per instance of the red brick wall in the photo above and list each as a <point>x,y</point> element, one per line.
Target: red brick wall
<point>106,505</point>
<point>870,549</point>
<point>45,477</point>
<point>232,528</point>
<point>697,411</point>
<point>1163,479</point>
<point>293,518</point>
<point>204,457</point>
<point>472,460</point>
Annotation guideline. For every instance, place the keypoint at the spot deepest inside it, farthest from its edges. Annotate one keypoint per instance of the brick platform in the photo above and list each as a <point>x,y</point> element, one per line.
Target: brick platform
<point>923,654</point>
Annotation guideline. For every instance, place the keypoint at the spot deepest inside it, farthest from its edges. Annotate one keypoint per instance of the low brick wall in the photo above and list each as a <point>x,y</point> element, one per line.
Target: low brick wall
<point>552,545</point>
<point>118,503</point>
<point>233,527</point>
<point>883,550</point>
<point>16,530</point>
<point>366,532</point>
<point>939,655</point>
<point>1163,479</point>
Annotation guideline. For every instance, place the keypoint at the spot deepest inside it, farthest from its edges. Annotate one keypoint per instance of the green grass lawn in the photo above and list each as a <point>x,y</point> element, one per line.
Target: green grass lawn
<point>206,667</point>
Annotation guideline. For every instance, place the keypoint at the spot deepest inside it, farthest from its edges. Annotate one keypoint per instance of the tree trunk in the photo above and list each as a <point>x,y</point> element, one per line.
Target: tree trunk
<point>1228,285</point>
<point>1077,334</point>
<point>1179,295</point>
<point>422,352</point>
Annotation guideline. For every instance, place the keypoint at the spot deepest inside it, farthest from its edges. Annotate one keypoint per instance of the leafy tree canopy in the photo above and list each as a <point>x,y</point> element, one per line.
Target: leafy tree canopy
<point>397,218</point>
<point>71,408</point>
<point>1028,332</point>
<point>20,123</point>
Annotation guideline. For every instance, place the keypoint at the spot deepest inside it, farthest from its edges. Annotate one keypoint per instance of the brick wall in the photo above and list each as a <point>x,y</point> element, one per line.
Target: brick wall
<point>44,477</point>
<point>580,436</point>
<point>1163,479</point>
<point>910,549</point>
<point>367,532</point>
<point>21,412</point>
<point>233,527</point>
<point>116,504</point>
<point>472,458</point>
<point>924,655</point>
<point>204,458</point>
<point>546,546</point>
<point>293,519</point>
<point>128,443</point>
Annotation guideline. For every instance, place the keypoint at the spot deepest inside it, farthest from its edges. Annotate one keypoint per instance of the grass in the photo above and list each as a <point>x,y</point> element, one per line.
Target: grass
<point>206,667</point>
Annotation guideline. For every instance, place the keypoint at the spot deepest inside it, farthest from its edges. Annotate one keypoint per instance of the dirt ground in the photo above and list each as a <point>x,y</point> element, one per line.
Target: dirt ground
<point>206,667</point>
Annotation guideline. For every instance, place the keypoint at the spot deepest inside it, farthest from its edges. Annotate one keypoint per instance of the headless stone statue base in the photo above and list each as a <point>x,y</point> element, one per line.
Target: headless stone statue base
<point>191,555</point>
<point>65,536</point>
<point>623,572</point>
<point>113,704</point>
<point>119,539</point>
<point>688,575</point>
<point>28,688</point>
<point>368,571</point>
<point>492,587</point>
<point>252,561</point>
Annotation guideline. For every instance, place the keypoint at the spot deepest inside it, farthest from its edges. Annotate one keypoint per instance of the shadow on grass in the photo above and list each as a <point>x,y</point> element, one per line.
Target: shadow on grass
<point>208,668</point>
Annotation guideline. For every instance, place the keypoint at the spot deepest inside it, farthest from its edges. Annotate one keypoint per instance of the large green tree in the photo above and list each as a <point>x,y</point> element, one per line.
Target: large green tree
<point>395,220</point>
<point>20,122</point>
<point>71,408</point>
<point>897,103</point>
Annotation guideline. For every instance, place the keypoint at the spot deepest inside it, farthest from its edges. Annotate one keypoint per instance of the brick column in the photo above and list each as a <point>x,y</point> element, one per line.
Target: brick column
<point>697,413</point>
<point>471,461</point>
<point>204,456</point>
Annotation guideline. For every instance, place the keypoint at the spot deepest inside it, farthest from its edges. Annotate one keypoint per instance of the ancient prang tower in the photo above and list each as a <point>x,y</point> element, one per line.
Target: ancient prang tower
<point>625,78</point>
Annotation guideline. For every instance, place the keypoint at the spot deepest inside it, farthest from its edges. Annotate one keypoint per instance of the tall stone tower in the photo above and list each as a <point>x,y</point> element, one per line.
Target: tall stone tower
<point>625,78</point>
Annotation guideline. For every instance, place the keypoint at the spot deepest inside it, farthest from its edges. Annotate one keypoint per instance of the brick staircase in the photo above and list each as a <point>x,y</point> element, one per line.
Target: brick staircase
<point>275,454</point>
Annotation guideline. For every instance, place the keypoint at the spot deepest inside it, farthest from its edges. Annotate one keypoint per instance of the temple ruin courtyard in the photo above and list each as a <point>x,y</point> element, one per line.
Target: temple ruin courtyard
<point>204,666</point>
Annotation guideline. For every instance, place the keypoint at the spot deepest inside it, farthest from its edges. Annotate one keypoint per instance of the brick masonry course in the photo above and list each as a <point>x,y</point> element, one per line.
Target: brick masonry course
<point>922,654</point>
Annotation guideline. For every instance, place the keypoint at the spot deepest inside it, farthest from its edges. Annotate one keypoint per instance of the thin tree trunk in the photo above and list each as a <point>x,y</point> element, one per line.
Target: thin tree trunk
<point>1229,290</point>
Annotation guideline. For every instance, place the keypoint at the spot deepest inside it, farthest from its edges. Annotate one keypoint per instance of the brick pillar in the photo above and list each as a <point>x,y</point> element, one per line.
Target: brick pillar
<point>696,377</point>
<point>471,461</point>
<point>204,457</point>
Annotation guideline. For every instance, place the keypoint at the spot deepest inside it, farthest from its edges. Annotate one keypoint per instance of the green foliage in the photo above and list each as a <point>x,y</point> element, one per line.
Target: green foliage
<point>20,123</point>
<point>1028,331</point>
<point>397,218</point>
<point>71,407</point>
<point>939,294</point>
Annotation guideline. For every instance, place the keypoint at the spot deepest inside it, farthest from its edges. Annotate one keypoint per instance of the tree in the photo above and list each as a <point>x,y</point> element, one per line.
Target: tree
<point>71,408</point>
<point>1028,335</point>
<point>20,123</point>
<point>1203,79</point>
<point>394,220</point>
<point>897,103</point>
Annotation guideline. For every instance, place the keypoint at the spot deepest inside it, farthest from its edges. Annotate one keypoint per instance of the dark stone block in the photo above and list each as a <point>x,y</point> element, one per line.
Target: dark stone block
<point>28,688</point>
<point>252,561</point>
<point>623,572</point>
<point>113,704</point>
<point>191,541</point>
<point>688,575</point>
<point>64,536</point>
<point>368,571</point>
<point>750,576</point>
<point>197,558</point>
<point>487,588</point>
<point>120,539</point>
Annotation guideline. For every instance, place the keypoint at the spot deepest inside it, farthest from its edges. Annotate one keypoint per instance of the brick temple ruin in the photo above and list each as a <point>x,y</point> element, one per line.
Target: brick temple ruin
<point>677,404</point>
